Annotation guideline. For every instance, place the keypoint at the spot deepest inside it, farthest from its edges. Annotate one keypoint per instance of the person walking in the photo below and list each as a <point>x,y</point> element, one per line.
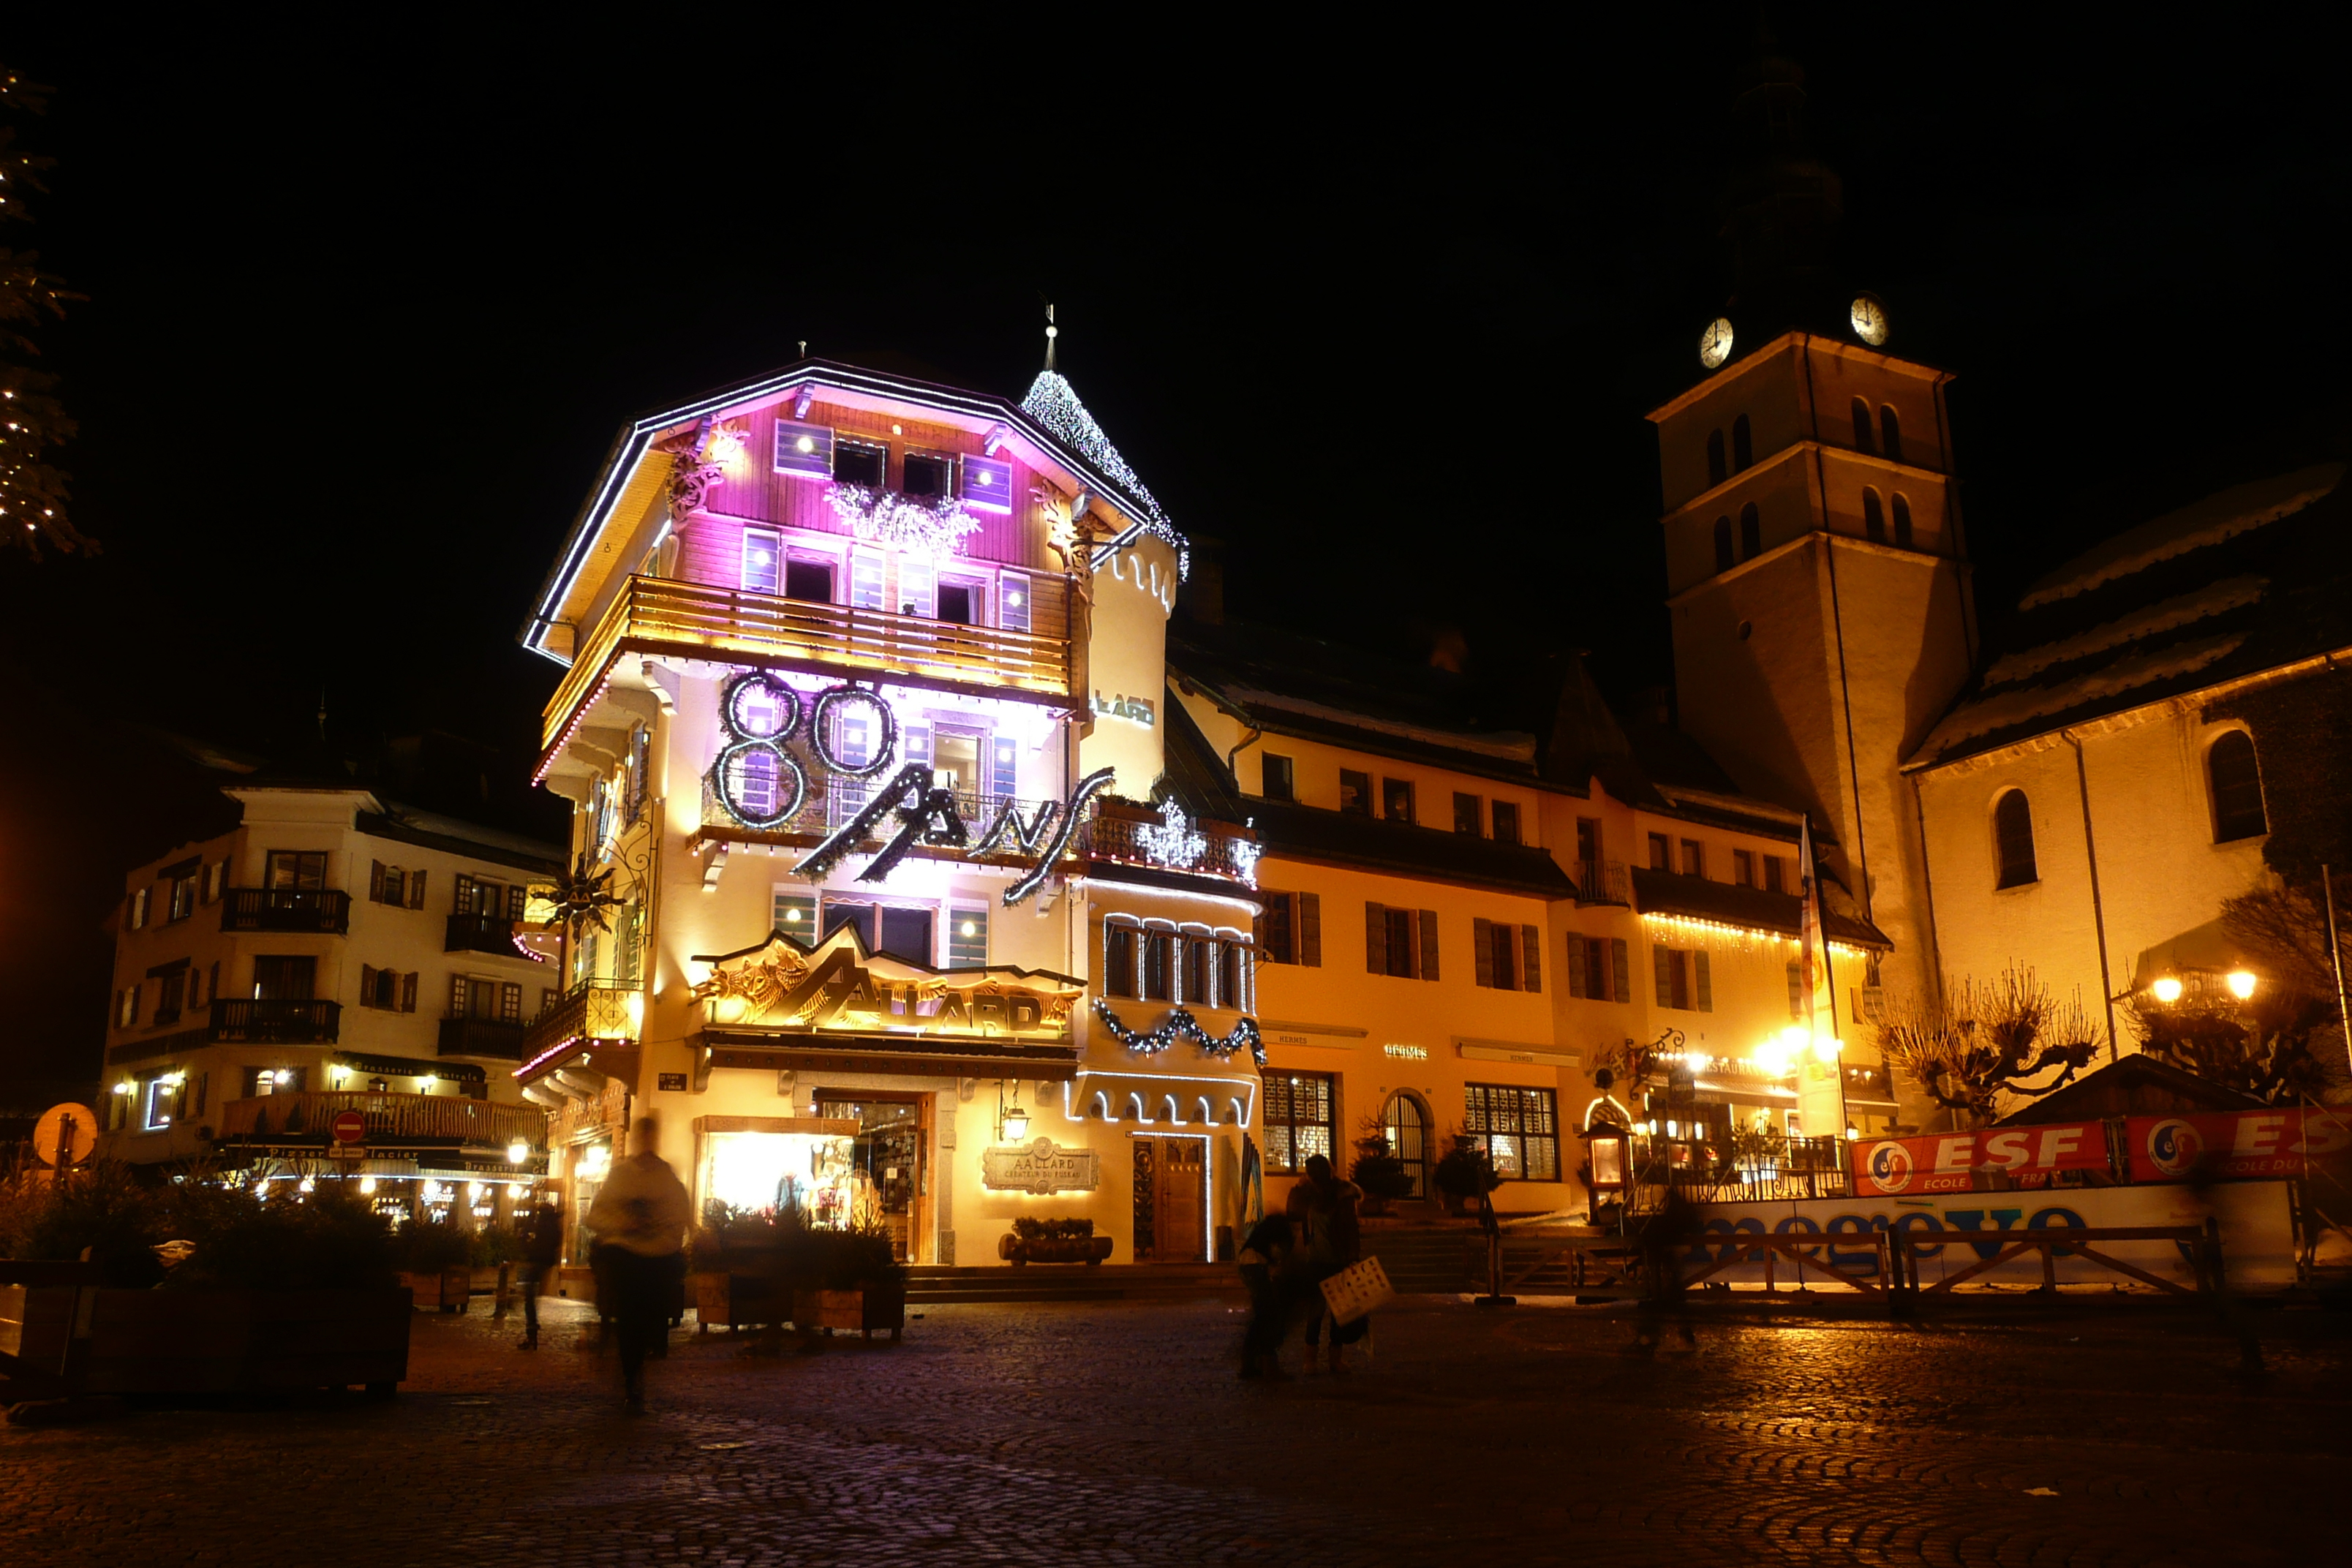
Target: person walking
<point>542,1249</point>
<point>640,1217</point>
<point>1267,1260</point>
<point>1326,1206</point>
<point>1666,1236</point>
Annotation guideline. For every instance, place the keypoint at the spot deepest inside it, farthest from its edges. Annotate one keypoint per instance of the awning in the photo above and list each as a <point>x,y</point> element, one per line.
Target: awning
<point>911,1056</point>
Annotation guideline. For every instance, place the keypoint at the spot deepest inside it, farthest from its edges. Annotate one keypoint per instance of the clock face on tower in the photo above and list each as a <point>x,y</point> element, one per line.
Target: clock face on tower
<point>1869,318</point>
<point>1714,344</point>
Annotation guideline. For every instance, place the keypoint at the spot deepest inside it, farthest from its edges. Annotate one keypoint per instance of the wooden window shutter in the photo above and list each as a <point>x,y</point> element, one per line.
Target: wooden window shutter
<point>510,1002</point>
<point>367,983</point>
<point>1307,933</point>
<point>1376,940</point>
<point>1621,970</point>
<point>1257,925</point>
<point>1482,950</point>
<point>1531,947</point>
<point>1702,985</point>
<point>1796,989</point>
<point>457,997</point>
<point>464,899</point>
<point>1662,959</point>
<point>515,896</point>
<point>375,881</point>
<point>416,890</point>
<point>1427,969</point>
<point>1578,981</point>
<point>408,992</point>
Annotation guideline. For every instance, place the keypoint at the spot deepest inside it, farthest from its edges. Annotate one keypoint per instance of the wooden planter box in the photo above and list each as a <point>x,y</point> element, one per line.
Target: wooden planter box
<point>876,1306</point>
<point>739,1300</point>
<point>446,1291</point>
<point>223,1342</point>
<point>1086,1250</point>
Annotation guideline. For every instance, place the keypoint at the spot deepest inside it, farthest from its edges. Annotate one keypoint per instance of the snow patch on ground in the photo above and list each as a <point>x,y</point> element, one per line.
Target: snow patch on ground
<point>2004,708</point>
<point>2161,616</point>
<point>2218,517</point>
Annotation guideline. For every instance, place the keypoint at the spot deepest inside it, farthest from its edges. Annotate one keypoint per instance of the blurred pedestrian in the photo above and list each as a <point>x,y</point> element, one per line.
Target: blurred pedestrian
<point>542,1251</point>
<point>1325,1206</point>
<point>640,1217</point>
<point>1269,1270</point>
<point>1665,1234</point>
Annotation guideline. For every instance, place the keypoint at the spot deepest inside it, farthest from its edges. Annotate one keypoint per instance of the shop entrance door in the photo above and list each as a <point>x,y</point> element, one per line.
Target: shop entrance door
<point>1179,1233</point>
<point>885,1164</point>
<point>1406,1124</point>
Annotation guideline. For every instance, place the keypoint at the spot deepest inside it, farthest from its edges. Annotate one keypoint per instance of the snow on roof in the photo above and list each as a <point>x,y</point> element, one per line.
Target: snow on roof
<point>2221,516</point>
<point>2003,709</point>
<point>2164,615</point>
<point>1515,746</point>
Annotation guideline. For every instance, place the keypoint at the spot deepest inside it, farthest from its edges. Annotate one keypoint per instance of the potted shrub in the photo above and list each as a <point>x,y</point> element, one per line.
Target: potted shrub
<point>1381,1176</point>
<point>848,1279</point>
<point>257,1295</point>
<point>1465,1173</point>
<point>737,1272</point>
<point>1053,1241</point>
<point>438,1264</point>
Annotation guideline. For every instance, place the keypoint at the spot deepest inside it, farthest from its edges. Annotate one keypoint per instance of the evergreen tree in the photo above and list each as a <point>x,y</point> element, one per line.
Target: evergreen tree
<point>33,491</point>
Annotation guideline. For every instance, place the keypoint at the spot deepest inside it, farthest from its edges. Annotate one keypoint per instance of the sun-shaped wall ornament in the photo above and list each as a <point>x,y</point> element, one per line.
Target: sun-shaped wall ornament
<point>582,898</point>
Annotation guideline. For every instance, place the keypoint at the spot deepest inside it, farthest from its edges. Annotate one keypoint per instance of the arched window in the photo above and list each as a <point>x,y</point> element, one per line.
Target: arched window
<point>1902,520</point>
<point>1723,544</point>
<point>2236,789</point>
<point>1752,532</point>
<point>1890,430</point>
<point>1861,437</point>
<point>1404,1122</point>
<point>2012,837</point>
<point>1743,451</point>
<point>1715,472</point>
<point>1873,515</point>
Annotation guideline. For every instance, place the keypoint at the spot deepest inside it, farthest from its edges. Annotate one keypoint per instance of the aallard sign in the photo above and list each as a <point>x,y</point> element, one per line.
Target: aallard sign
<point>785,986</point>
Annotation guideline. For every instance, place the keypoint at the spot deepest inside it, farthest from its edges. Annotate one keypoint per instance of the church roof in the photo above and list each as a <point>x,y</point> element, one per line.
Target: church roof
<point>2244,580</point>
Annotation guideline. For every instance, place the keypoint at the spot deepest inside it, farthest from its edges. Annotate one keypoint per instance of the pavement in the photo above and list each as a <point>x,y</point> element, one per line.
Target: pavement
<point>2082,1432</point>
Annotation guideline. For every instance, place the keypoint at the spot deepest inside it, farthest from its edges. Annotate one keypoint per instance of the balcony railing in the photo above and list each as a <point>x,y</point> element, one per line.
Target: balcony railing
<point>656,615</point>
<point>830,802</point>
<point>1601,882</point>
<point>481,933</point>
<point>286,909</point>
<point>254,1021</point>
<point>404,1118</point>
<point>1117,833</point>
<point>592,1010</point>
<point>482,1038</point>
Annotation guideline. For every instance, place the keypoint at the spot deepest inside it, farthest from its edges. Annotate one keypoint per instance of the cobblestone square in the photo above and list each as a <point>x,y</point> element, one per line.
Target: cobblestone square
<point>2087,1433</point>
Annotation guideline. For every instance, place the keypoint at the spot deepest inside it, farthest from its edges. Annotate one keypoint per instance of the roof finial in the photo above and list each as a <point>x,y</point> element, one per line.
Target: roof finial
<point>1051,331</point>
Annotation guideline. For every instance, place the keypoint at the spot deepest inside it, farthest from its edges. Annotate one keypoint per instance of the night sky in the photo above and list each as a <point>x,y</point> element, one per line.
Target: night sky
<point>1382,312</point>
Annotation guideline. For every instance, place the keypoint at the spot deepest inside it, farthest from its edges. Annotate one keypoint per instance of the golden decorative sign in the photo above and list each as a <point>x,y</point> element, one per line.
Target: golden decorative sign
<point>785,985</point>
<point>1041,1168</point>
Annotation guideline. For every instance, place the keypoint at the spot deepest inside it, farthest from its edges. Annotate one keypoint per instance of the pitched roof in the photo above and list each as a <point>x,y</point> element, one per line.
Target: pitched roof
<point>2247,579</point>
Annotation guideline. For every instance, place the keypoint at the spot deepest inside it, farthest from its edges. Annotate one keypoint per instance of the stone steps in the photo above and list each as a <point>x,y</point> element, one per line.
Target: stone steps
<point>1073,1282</point>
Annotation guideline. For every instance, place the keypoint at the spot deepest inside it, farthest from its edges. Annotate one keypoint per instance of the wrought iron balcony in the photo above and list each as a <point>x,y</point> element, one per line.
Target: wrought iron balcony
<point>325,909</point>
<point>481,933</point>
<point>248,1020</point>
<point>482,1038</point>
<point>409,1120</point>
<point>602,1010</point>
<point>1130,834</point>
<point>694,620</point>
<point>1601,882</point>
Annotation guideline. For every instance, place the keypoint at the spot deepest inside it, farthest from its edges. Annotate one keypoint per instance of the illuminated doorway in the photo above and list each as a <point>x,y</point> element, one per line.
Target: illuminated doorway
<point>1405,1121</point>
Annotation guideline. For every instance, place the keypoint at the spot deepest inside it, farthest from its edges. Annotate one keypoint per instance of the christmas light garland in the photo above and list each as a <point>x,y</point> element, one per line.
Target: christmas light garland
<point>896,521</point>
<point>1053,403</point>
<point>1180,1025</point>
<point>1172,842</point>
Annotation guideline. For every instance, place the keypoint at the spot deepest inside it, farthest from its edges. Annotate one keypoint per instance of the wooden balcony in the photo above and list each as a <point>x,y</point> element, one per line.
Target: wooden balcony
<point>249,1020</point>
<point>694,620</point>
<point>327,909</point>
<point>492,1037</point>
<point>411,1119</point>
<point>592,1010</point>
<point>481,933</point>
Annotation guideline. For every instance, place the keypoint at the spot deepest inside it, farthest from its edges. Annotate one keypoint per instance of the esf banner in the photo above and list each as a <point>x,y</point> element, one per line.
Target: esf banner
<point>2234,1142</point>
<point>2257,1235</point>
<point>1951,1162</point>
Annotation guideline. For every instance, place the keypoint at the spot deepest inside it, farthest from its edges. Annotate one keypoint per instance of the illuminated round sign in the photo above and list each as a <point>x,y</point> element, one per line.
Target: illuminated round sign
<point>1890,1167</point>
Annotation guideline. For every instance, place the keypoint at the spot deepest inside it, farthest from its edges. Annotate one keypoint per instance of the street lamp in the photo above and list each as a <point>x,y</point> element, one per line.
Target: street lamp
<point>2167,989</point>
<point>2241,985</point>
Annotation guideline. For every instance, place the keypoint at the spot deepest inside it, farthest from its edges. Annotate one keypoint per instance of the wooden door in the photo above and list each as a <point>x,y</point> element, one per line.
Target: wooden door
<point>1179,1222</point>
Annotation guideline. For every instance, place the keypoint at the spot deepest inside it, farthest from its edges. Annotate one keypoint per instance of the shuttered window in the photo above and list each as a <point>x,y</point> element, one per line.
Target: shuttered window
<point>1509,956</point>
<point>1685,979</point>
<point>1597,968</point>
<point>1399,942</point>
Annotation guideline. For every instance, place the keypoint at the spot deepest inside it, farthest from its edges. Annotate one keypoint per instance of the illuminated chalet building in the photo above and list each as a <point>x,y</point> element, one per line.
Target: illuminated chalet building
<point>870,688</point>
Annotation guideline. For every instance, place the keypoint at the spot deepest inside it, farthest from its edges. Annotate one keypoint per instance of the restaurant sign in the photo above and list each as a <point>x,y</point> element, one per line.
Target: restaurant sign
<point>837,985</point>
<point>1041,1168</point>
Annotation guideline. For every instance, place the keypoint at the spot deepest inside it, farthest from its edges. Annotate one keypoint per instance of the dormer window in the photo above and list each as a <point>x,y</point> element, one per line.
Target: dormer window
<point>861,463</point>
<point>929,474</point>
